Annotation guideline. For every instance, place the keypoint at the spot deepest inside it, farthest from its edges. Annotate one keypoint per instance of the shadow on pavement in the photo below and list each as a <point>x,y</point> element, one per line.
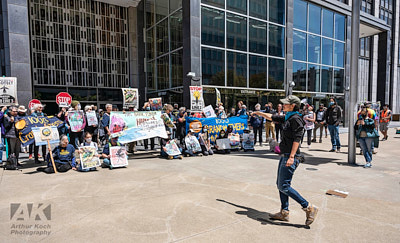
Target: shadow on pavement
<point>262,217</point>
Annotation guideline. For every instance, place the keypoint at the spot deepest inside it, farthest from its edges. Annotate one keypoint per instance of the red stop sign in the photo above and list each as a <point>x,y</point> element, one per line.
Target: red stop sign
<point>32,103</point>
<point>63,99</point>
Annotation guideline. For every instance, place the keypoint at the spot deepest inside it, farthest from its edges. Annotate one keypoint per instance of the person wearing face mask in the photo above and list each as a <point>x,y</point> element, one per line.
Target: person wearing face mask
<point>76,137</point>
<point>366,133</point>
<point>222,135</point>
<point>256,122</point>
<point>333,118</point>
<point>106,152</point>
<point>205,141</point>
<point>63,155</point>
<point>88,142</point>
<point>38,112</point>
<point>147,107</point>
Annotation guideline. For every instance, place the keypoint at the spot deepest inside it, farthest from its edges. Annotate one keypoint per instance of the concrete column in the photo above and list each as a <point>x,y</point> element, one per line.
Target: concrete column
<point>289,46</point>
<point>17,45</point>
<point>383,67</point>
<point>191,44</point>
<point>396,78</point>
<point>347,71</point>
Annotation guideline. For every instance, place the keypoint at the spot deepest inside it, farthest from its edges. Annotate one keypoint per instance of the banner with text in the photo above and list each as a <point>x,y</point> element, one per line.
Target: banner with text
<point>196,98</point>
<point>26,124</point>
<point>8,91</point>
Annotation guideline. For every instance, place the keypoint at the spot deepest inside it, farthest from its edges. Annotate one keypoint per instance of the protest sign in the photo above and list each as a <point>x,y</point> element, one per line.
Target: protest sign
<point>91,118</point>
<point>8,91</point>
<point>223,143</point>
<point>205,140</point>
<point>234,139</point>
<point>215,125</point>
<point>118,156</point>
<point>131,97</point>
<point>32,103</point>
<point>172,148</point>
<point>218,96</point>
<point>167,121</point>
<point>196,98</point>
<point>76,120</point>
<point>155,104</point>
<point>63,99</point>
<point>88,156</point>
<point>209,111</point>
<point>137,125</point>
<point>192,144</point>
<point>248,141</point>
<point>26,124</point>
<point>41,139</point>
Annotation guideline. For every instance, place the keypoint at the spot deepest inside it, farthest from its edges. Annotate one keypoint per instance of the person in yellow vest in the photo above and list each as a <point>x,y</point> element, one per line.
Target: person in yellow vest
<point>386,116</point>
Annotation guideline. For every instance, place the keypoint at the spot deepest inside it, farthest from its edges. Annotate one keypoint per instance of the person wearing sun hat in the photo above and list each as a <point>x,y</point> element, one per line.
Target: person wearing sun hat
<point>293,129</point>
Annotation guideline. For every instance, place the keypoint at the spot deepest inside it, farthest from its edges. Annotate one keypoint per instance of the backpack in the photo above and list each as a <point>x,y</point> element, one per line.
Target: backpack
<point>11,163</point>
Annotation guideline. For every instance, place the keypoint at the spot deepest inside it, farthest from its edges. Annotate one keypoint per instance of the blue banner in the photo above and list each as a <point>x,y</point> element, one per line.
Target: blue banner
<point>215,125</point>
<point>26,124</point>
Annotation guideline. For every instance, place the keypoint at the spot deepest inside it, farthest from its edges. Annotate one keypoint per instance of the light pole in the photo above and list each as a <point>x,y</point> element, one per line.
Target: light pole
<point>355,33</point>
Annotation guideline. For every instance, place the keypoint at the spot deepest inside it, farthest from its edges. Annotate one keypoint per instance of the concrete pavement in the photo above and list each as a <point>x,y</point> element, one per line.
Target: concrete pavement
<point>220,198</point>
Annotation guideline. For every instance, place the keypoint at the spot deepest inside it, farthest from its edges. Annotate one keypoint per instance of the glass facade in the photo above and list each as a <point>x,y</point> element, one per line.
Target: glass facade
<point>2,50</point>
<point>79,43</point>
<point>318,48</point>
<point>164,44</point>
<point>243,43</point>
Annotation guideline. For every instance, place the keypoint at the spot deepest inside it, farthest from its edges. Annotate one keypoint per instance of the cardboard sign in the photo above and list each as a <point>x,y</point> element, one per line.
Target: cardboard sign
<point>118,156</point>
<point>156,104</point>
<point>209,111</point>
<point>8,91</point>
<point>248,141</point>
<point>91,118</point>
<point>63,99</point>
<point>172,148</point>
<point>131,97</point>
<point>42,134</point>
<point>223,143</point>
<point>76,120</point>
<point>192,144</point>
<point>196,98</point>
<point>88,156</point>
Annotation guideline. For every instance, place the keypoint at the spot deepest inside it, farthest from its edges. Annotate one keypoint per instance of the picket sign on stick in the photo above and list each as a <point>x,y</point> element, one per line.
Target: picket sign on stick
<point>46,134</point>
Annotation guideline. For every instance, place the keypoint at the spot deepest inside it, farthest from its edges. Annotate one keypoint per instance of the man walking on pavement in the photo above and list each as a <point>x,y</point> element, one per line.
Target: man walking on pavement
<point>319,123</point>
<point>386,116</point>
<point>333,118</point>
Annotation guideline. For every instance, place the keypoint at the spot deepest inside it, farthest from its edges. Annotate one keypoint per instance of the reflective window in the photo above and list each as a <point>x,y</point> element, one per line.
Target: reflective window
<point>299,46</point>
<point>163,72</point>
<point>237,69</point>
<point>327,23</point>
<point>174,5</point>
<point>258,72</point>
<point>212,27</point>
<point>236,32</point>
<point>277,11</point>
<point>213,66</point>
<point>299,75</point>
<point>175,24</point>
<point>258,36</point>
<point>327,51</point>
<point>276,41</point>
<point>340,25</point>
<point>314,15</point>
<point>162,37</point>
<point>151,84</point>
<point>338,57</point>
<point>276,73</point>
<point>314,72</point>
<point>176,68</point>
<point>239,6</point>
<point>217,3</point>
<point>150,43</point>
<point>314,49</point>
<point>161,9</point>
<point>258,8</point>
<point>150,9</point>
<point>338,80</point>
<point>300,16</point>
<point>326,79</point>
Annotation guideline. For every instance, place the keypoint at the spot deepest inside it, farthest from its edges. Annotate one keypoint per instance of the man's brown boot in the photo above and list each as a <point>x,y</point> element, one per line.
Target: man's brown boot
<point>283,215</point>
<point>311,213</point>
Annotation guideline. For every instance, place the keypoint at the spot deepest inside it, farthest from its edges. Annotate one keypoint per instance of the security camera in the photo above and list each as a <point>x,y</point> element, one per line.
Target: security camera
<point>191,74</point>
<point>292,84</point>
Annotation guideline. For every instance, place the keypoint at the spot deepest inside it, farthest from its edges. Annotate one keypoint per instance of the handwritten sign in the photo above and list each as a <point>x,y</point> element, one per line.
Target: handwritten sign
<point>88,156</point>
<point>91,118</point>
<point>76,120</point>
<point>196,98</point>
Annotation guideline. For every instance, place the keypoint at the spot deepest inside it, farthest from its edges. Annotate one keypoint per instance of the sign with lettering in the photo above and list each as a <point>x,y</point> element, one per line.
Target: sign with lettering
<point>63,99</point>
<point>8,91</point>
<point>88,156</point>
<point>196,98</point>
<point>26,124</point>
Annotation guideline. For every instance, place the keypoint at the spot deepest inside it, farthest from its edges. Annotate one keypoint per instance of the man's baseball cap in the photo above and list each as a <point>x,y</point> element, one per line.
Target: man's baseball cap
<point>291,99</point>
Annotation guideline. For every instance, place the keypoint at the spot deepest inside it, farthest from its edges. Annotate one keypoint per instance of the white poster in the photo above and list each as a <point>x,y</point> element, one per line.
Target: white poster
<point>91,118</point>
<point>8,91</point>
<point>223,143</point>
<point>209,111</point>
<point>196,98</point>
<point>131,97</point>
<point>53,131</point>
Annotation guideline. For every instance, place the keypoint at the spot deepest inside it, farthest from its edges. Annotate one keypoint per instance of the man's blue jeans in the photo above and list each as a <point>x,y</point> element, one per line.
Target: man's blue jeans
<point>283,182</point>
<point>334,132</point>
<point>366,145</point>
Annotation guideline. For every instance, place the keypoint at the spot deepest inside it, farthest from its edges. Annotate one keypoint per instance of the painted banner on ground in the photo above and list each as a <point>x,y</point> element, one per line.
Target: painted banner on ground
<point>192,144</point>
<point>91,118</point>
<point>26,124</point>
<point>156,104</point>
<point>131,97</point>
<point>8,91</point>
<point>136,125</point>
<point>209,111</point>
<point>76,120</point>
<point>89,158</point>
<point>215,125</point>
<point>196,98</point>
<point>118,156</point>
<point>172,148</point>
<point>54,137</point>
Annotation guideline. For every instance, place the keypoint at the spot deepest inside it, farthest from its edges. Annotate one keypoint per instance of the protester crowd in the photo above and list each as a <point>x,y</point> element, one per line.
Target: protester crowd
<point>315,122</point>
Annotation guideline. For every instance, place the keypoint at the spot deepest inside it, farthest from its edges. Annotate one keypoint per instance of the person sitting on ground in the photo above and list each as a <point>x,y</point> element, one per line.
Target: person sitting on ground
<point>190,148</point>
<point>63,155</point>
<point>205,141</point>
<point>87,143</point>
<point>163,151</point>
<point>222,135</point>
<point>106,152</point>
